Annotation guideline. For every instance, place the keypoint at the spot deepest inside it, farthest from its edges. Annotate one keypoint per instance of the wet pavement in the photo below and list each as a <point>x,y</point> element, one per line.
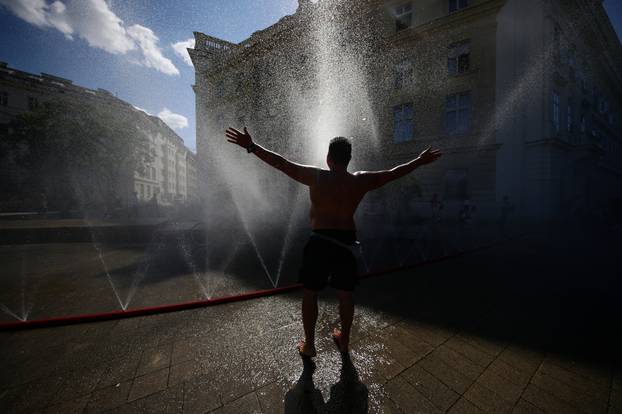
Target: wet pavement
<point>526,327</point>
<point>76,268</point>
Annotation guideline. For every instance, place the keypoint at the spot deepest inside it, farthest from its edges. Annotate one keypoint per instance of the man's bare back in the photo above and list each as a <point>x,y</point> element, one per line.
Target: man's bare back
<point>335,197</point>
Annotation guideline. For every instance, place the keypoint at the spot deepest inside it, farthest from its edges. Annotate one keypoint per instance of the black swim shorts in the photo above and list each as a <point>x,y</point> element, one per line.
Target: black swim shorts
<point>326,262</point>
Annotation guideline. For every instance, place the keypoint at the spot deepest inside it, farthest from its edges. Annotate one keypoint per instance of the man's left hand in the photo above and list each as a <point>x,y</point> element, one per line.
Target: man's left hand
<point>243,139</point>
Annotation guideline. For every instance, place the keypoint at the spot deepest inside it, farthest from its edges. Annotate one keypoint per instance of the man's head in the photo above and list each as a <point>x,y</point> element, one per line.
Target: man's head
<point>339,152</point>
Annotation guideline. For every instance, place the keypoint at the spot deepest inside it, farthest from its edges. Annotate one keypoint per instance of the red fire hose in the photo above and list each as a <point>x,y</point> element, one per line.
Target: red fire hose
<point>119,314</point>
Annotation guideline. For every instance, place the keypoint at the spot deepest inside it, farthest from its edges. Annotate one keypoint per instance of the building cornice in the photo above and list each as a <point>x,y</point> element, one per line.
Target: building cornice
<point>446,21</point>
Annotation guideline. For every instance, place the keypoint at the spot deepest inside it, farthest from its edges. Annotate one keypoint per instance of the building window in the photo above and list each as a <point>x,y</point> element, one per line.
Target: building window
<point>556,110</point>
<point>458,112</point>
<point>403,123</point>
<point>149,191</point>
<point>142,190</point>
<point>569,116</point>
<point>32,103</point>
<point>572,56</point>
<point>219,89</point>
<point>153,173</point>
<point>603,105</point>
<point>458,58</point>
<point>582,82</point>
<point>455,5</point>
<point>557,43</point>
<point>4,99</point>
<point>403,73</point>
<point>403,16</point>
<point>583,123</point>
<point>456,184</point>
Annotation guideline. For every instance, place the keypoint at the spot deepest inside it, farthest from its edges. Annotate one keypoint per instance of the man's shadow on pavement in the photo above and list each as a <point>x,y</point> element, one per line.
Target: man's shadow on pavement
<point>348,395</point>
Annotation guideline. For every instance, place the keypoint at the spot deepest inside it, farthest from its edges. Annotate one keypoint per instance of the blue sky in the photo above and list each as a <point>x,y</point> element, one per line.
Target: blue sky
<point>125,46</point>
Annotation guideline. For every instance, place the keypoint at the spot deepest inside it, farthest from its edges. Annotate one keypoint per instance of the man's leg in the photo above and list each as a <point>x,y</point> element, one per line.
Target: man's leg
<point>309,318</point>
<point>346,314</point>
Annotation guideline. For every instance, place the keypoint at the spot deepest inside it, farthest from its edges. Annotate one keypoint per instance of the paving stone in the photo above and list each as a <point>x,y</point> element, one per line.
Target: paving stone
<point>430,387</point>
<point>119,370</point>
<point>524,407</point>
<point>459,362</point>
<point>407,398</point>
<point>598,375</point>
<point>385,366</point>
<point>78,383</point>
<point>388,368</point>
<point>396,350</point>
<point>167,401</point>
<point>488,400</point>
<point>575,397</point>
<point>68,407</point>
<point>615,400</point>
<point>447,374</point>
<point>31,396</point>
<point>469,351</point>
<point>491,347</point>
<point>369,373</point>
<point>580,383</point>
<point>185,371</point>
<point>184,350</point>
<point>248,404</point>
<point>418,347</point>
<point>271,397</point>
<point>34,369</point>
<point>386,406</point>
<point>201,395</point>
<point>155,359</point>
<point>108,398</point>
<point>504,370</point>
<point>546,401</point>
<point>522,359</point>
<point>149,384</point>
<point>503,387</point>
<point>434,335</point>
<point>464,406</point>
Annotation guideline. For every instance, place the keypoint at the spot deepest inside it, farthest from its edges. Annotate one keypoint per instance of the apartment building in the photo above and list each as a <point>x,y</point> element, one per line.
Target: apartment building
<point>164,175</point>
<point>524,97</point>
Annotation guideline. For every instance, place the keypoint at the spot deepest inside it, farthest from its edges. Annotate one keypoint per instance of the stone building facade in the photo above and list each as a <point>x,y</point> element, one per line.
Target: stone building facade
<point>524,97</point>
<point>164,176</point>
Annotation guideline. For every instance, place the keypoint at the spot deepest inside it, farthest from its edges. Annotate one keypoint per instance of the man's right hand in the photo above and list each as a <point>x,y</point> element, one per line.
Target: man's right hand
<point>429,155</point>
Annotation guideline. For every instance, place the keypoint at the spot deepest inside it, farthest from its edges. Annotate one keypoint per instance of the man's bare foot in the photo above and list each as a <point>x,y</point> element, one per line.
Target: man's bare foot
<point>306,351</point>
<point>337,336</point>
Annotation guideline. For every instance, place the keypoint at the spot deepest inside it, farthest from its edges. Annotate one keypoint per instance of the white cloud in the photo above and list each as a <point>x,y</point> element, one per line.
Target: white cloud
<point>33,11</point>
<point>100,27</point>
<point>180,49</point>
<point>152,54</point>
<point>175,121</point>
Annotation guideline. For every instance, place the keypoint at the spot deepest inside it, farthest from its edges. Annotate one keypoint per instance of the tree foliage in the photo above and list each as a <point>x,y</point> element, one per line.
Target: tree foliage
<point>80,156</point>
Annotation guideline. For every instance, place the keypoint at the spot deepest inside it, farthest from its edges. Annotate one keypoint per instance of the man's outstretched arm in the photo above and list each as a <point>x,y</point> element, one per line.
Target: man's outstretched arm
<point>304,174</point>
<point>376,179</point>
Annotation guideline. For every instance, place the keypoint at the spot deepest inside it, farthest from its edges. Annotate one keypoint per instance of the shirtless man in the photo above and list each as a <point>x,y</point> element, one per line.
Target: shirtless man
<point>335,195</point>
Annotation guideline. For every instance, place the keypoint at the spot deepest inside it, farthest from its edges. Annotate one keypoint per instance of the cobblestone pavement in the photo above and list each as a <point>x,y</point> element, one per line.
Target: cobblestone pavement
<point>487,332</point>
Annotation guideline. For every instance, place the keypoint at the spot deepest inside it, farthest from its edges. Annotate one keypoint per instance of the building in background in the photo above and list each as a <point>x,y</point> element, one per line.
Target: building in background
<point>524,97</point>
<point>164,175</point>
